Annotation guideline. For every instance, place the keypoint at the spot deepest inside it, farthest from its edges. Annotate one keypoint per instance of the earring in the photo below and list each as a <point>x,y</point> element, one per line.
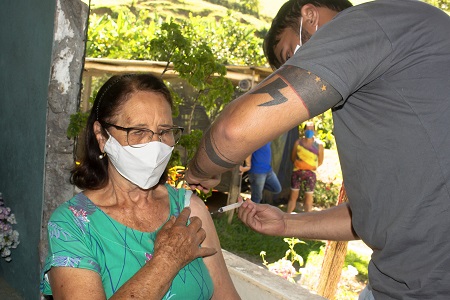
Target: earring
<point>101,156</point>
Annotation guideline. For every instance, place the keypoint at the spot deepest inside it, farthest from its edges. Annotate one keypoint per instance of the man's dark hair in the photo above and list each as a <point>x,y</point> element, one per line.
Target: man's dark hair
<point>288,16</point>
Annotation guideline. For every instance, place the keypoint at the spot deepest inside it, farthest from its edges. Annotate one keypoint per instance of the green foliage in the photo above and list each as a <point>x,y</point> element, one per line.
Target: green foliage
<point>324,129</point>
<point>169,45</point>
<point>125,36</point>
<point>347,289</point>
<point>217,95</point>
<point>175,160</point>
<point>233,42</point>
<point>284,267</point>
<point>360,263</point>
<point>77,123</point>
<point>190,143</point>
<point>442,4</point>
<point>195,62</point>
<point>326,194</point>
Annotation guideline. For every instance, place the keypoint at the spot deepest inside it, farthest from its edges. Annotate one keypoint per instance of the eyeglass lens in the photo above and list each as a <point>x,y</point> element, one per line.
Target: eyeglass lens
<point>139,138</point>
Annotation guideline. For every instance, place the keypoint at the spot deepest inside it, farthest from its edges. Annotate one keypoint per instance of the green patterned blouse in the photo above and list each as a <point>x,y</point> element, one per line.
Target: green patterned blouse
<point>81,235</point>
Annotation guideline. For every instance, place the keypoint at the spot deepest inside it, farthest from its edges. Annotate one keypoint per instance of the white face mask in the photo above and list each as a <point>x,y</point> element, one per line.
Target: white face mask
<point>300,35</point>
<point>142,166</point>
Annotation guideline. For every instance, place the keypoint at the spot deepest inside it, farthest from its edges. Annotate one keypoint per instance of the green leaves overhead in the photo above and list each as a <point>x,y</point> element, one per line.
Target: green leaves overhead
<point>123,34</point>
<point>194,61</point>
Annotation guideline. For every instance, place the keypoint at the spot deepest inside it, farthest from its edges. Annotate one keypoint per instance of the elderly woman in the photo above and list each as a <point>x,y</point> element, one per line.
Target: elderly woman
<point>119,239</point>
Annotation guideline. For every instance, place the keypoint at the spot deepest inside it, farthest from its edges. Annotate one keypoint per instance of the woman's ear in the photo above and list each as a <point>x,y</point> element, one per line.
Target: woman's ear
<point>98,132</point>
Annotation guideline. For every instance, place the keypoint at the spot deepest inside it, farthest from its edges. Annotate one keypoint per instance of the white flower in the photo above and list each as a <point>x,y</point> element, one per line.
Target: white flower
<point>9,238</point>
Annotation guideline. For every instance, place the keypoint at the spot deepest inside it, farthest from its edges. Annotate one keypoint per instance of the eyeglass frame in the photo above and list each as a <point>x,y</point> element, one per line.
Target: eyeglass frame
<point>128,129</point>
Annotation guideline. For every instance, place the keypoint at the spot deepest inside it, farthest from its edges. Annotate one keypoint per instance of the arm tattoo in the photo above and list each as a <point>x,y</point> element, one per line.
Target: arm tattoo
<point>316,94</point>
<point>212,155</point>
<point>196,167</point>
<point>273,89</point>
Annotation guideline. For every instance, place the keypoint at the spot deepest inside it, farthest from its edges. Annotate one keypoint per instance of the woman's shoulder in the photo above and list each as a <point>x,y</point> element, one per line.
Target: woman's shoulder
<point>77,205</point>
<point>185,197</point>
<point>198,207</point>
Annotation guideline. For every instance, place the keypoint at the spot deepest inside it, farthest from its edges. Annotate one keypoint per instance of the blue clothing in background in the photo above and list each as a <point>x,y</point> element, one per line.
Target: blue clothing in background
<point>261,160</point>
<point>261,175</point>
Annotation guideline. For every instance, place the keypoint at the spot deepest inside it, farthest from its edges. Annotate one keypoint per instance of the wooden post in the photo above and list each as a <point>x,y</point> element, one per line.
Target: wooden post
<point>333,261</point>
<point>234,190</point>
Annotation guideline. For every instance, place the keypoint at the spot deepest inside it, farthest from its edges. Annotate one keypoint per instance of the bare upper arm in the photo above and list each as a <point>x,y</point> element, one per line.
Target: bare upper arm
<point>223,286</point>
<point>66,282</point>
<point>199,209</point>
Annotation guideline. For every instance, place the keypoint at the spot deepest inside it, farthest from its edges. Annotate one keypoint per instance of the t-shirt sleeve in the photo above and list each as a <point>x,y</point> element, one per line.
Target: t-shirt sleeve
<point>187,198</point>
<point>347,52</point>
<point>68,245</point>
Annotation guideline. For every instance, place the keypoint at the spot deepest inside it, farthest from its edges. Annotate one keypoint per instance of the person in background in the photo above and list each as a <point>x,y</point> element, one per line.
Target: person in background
<point>384,68</point>
<point>260,173</point>
<point>128,235</point>
<point>307,156</point>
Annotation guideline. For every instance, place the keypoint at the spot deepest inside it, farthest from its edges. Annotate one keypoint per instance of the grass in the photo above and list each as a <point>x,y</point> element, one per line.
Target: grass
<point>244,242</point>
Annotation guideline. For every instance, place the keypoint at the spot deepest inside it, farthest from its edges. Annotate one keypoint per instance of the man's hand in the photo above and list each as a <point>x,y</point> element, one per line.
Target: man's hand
<point>178,244</point>
<point>263,218</point>
<point>202,184</point>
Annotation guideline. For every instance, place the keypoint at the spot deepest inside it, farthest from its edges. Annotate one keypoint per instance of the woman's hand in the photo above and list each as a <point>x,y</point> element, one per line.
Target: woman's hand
<point>263,218</point>
<point>178,244</point>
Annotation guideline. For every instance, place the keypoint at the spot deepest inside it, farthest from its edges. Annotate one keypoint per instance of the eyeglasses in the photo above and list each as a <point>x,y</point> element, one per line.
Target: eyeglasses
<point>140,137</point>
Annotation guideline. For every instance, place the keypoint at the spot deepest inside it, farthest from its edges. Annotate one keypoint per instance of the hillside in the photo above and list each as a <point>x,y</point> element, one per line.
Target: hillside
<point>180,9</point>
<point>267,8</point>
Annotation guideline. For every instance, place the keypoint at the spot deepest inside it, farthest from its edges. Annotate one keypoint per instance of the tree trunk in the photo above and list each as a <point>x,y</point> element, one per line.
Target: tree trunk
<point>333,262</point>
<point>234,190</point>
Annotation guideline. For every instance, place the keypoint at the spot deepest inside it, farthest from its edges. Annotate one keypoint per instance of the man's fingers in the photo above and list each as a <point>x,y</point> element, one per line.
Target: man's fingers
<point>244,209</point>
<point>193,187</point>
<point>247,213</point>
<point>202,189</point>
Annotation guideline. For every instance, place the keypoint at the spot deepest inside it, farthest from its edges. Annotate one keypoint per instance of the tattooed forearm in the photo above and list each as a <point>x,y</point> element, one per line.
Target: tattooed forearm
<point>198,171</point>
<point>317,94</point>
<point>273,89</point>
<point>210,150</point>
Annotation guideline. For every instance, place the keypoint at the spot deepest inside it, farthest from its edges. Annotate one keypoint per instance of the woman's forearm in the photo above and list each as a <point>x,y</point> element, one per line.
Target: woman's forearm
<point>152,281</point>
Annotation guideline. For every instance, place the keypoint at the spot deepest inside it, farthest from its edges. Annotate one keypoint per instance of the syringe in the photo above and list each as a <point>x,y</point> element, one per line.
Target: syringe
<point>228,207</point>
